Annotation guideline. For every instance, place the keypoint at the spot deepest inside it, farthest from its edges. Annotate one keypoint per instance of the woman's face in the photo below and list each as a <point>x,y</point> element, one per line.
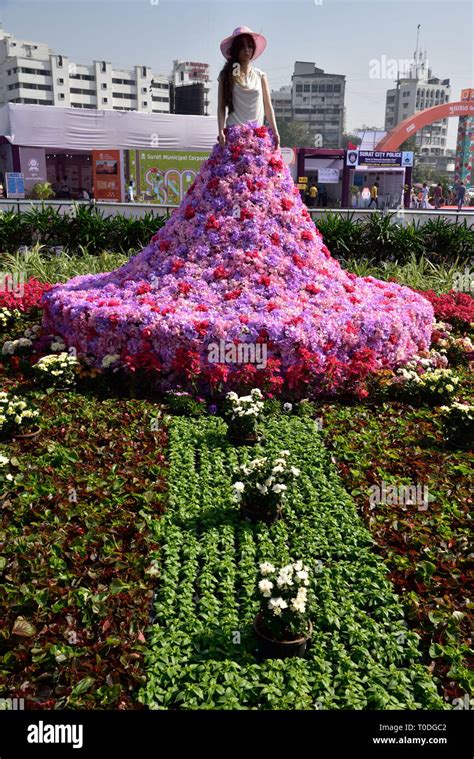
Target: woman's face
<point>246,50</point>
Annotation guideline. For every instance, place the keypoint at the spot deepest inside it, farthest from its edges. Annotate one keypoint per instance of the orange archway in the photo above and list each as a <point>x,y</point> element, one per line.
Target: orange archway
<point>412,124</point>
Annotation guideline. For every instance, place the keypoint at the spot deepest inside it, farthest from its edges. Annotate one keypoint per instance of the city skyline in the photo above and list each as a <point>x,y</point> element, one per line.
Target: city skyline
<point>349,48</point>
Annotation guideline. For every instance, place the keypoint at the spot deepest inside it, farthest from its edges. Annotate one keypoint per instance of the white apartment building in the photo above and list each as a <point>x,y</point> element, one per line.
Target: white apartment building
<point>416,92</point>
<point>31,73</point>
<point>315,98</point>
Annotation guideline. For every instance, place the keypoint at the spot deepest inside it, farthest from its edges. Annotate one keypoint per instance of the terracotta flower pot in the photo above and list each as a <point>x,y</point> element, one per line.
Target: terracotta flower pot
<point>269,648</point>
<point>253,513</point>
<point>237,439</point>
<point>33,432</point>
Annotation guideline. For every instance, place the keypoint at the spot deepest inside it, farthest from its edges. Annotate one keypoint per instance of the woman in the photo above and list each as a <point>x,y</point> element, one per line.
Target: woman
<point>240,262</point>
<point>243,88</point>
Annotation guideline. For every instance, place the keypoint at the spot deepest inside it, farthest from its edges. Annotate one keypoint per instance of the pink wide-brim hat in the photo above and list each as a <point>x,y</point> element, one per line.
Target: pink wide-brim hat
<point>259,39</point>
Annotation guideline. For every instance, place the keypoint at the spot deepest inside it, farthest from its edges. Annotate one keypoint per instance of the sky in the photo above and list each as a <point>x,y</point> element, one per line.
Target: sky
<point>340,36</point>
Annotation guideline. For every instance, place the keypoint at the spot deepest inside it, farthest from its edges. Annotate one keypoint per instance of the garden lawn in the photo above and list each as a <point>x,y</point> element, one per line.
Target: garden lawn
<point>201,647</point>
<point>426,550</point>
<point>76,568</point>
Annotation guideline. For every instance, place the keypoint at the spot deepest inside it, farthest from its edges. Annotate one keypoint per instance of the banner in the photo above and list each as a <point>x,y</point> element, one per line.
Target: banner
<point>328,176</point>
<point>33,166</point>
<point>106,173</point>
<point>379,158</point>
<point>164,176</point>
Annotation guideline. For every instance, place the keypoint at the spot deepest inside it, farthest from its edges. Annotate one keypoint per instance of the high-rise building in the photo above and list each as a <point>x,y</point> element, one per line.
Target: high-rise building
<point>416,91</point>
<point>190,87</point>
<point>30,72</point>
<point>315,98</point>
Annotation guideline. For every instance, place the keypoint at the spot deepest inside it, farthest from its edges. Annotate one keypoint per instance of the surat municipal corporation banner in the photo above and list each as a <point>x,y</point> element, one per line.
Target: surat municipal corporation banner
<point>164,176</point>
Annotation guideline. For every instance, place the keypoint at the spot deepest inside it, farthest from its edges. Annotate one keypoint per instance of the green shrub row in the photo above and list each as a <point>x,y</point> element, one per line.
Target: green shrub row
<point>201,648</point>
<point>84,229</point>
<point>378,238</point>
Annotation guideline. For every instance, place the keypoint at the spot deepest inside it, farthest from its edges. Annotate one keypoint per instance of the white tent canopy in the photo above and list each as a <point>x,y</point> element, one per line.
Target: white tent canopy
<point>59,128</point>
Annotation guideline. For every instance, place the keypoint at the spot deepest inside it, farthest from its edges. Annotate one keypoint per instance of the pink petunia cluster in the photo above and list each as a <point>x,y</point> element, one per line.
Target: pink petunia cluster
<point>241,261</point>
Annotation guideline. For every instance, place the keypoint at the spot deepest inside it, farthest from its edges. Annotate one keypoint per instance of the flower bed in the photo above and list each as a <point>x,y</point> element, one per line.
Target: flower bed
<point>202,649</point>
<point>76,566</point>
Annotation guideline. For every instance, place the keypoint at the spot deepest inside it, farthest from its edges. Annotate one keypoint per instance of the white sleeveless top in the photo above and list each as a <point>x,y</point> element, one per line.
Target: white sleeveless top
<point>248,100</point>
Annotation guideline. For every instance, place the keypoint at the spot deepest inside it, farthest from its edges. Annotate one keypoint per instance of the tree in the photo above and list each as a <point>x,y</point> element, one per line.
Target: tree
<point>296,135</point>
<point>347,138</point>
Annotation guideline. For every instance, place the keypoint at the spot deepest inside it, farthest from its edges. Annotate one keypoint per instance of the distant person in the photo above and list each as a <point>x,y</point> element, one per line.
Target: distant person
<point>313,194</point>
<point>56,186</point>
<point>438,196</point>
<point>460,193</point>
<point>131,191</point>
<point>424,195</point>
<point>65,189</point>
<point>413,199</point>
<point>374,195</point>
<point>83,194</point>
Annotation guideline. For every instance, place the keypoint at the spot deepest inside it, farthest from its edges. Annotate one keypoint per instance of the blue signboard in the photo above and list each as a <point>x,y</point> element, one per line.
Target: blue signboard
<point>15,184</point>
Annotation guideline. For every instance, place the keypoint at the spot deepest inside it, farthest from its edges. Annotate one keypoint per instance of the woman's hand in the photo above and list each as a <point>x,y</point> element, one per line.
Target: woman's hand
<point>277,140</point>
<point>221,138</point>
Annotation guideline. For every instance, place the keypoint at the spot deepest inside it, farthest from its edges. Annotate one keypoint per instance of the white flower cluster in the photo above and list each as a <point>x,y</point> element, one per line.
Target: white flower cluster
<point>6,316</point>
<point>110,359</point>
<point>426,362</point>
<point>22,344</point>
<point>293,578</point>
<point>58,345</point>
<point>265,476</point>
<point>246,405</point>
<point>57,366</point>
<point>466,410</point>
<point>14,411</point>
<point>463,344</point>
<point>4,461</point>
<point>436,380</point>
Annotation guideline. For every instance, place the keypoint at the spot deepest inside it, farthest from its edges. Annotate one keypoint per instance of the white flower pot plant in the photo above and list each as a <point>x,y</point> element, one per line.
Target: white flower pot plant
<point>17,417</point>
<point>458,424</point>
<point>242,415</point>
<point>56,370</point>
<point>262,486</point>
<point>282,626</point>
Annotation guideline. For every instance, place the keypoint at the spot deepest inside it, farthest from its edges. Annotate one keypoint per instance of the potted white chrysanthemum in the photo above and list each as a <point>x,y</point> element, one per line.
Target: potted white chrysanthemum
<point>262,486</point>
<point>56,370</point>
<point>17,417</point>
<point>458,424</point>
<point>282,626</point>
<point>242,415</point>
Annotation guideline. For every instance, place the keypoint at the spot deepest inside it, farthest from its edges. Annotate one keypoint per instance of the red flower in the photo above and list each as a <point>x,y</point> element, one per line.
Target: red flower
<point>264,280</point>
<point>313,289</point>
<point>141,289</point>
<point>189,212</point>
<point>177,265</point>
<point>220,272</point>
<point>212,222</point>
<point>232,294</point>
<point>286,204</point>
<point>213,183</point>
<point>275,238</point>
<point>184,287</point>
<point>261,131</point>
<point>201,327</point>
<point>244,319</point>
<point>201,307</point>
<point>306,235</point>
<point>298,261</point>
<point>245,214</point>
<point>165,245</point>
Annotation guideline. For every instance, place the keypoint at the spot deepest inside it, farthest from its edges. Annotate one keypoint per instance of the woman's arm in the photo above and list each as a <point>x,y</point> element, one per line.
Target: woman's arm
<point>221,114</point>
<point>268,107</point>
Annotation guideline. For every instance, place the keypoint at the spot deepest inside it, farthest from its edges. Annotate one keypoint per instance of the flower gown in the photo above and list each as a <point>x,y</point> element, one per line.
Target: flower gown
<point>240,260</point>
